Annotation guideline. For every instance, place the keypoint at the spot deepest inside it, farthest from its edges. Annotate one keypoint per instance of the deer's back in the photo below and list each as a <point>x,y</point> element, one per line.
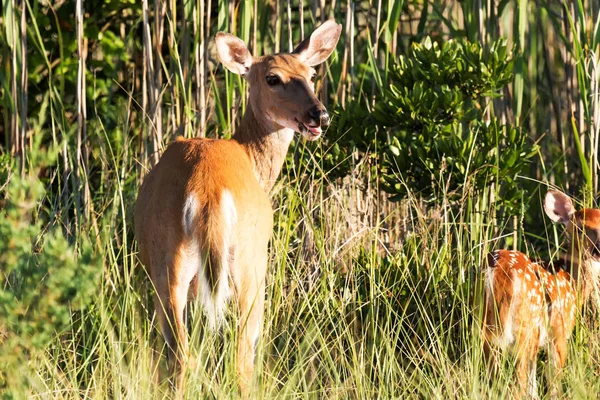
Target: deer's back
<point>202,170</point>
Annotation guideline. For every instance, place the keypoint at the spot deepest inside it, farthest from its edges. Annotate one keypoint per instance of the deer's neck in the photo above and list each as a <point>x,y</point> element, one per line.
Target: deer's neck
<point>585,274</point>
<point>266,144</point>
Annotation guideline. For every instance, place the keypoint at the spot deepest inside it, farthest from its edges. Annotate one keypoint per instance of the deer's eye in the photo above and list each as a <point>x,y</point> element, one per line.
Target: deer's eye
<point>273,80</point>
<point>313,77</point>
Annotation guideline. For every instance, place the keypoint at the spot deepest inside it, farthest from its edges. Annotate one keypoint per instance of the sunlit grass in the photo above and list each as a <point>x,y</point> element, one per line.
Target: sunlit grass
<point>347,315</point>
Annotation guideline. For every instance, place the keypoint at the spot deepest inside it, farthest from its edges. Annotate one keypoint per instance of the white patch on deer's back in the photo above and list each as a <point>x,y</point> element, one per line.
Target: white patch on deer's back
<point>190,207</point>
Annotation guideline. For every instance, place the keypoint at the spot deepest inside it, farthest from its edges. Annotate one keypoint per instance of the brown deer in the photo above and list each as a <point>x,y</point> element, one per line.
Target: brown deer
<point>203,217</point>
<point>532,304</point>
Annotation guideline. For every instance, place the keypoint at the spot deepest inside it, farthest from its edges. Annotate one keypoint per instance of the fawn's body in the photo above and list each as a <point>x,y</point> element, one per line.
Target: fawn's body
<point>530,304</point>
<point>203,217</point>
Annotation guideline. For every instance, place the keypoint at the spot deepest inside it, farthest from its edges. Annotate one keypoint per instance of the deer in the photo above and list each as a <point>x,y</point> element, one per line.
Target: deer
<point>532,304</point>
<point>203,215</point>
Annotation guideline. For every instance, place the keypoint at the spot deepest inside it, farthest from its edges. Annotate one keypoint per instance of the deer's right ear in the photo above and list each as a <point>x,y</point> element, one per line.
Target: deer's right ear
<point>558,206</point>
<point>233,53</point>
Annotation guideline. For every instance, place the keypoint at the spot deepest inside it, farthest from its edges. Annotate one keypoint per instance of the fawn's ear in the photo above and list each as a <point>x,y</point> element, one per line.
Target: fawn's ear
<point>558,206</point>
<point>233,53</point>
<point>319,46</point>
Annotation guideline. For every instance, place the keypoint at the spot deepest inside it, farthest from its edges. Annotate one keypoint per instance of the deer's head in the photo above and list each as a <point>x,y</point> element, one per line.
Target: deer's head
<point>282,85</point>
<point>582,227</point>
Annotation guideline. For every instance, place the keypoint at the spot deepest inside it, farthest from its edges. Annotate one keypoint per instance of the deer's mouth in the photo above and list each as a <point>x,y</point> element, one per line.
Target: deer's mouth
<point>311,132</point>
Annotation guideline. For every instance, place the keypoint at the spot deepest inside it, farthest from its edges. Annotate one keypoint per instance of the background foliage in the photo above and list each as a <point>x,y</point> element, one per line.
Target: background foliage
<point>461,112</point>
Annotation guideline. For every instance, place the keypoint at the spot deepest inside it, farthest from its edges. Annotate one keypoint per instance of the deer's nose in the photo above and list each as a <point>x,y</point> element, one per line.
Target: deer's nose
<point>325,119</point>
<point>320,115</point>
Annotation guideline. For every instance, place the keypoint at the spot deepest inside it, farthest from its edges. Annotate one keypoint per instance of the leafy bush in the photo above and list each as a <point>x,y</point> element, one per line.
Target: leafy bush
<point>43,280</point>
<point>436,114</point>
<point>433,126</point>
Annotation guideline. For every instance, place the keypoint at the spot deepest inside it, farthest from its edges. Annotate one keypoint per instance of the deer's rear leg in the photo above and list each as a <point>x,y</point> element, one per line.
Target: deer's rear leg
<point>170,301</point>
<point>251,308</point>
<point>250,266</point>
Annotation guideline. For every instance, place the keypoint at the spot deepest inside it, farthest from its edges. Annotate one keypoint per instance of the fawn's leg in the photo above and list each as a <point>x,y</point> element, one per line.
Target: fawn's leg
<point>489,355</point>
<point>527,350</point>
<point>487,334</point>
<point>557,352</point>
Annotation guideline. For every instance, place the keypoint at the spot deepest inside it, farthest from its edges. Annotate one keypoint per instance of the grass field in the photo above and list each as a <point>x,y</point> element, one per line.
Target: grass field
<point>366,298</point>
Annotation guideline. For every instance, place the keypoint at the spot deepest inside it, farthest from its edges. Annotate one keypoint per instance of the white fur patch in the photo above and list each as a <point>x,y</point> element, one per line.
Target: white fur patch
<point>190,207</point>
<point>214,301</point>
<point>595,269</point>
<point>507,337</point>
<point>489,280</point>
<point>543,340</point>
<point>194,263</point>
<point>285,135</point>
<point>532,387</point>
<point>222,291</point>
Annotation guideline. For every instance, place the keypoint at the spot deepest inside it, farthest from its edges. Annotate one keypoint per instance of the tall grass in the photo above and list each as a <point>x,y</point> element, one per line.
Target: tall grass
<point>365,298</point>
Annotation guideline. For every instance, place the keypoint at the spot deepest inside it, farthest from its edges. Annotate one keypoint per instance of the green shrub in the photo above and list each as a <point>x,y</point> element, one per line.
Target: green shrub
<point>433,129</point>
<point>435,111</point>
<point>43,280</point>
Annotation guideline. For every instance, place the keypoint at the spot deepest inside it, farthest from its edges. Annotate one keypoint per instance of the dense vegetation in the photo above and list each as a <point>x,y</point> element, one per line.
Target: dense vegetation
<point>451,120</point>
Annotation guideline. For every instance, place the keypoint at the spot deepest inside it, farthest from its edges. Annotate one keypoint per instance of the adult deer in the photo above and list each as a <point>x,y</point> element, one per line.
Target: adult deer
<point>532,304</point>
<point>203,218</point>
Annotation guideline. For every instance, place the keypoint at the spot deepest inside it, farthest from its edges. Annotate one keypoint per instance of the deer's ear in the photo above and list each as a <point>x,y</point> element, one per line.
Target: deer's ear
<point>233,53</point>
<point>558,206</point>
<point>319,46</point>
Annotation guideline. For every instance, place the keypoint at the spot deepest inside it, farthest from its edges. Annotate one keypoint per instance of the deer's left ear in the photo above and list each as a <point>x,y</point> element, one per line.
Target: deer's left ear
<point>558,206</point>
<point>319,46</point>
